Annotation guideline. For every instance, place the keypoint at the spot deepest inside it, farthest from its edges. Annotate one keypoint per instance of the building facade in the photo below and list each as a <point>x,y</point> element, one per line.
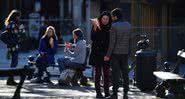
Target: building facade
<point>162,20</point>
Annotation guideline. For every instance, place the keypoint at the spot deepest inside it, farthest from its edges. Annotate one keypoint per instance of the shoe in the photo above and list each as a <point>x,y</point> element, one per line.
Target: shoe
<point>74,84</point>
<point>125,96</point>
<point>84,81</point>
<point>36,80</point>
<point>63,84</point>
<point>11,83</point>
<point>47,80</point>
<point>107,94</point>
<point>113,96</point>
<point>99,95</point>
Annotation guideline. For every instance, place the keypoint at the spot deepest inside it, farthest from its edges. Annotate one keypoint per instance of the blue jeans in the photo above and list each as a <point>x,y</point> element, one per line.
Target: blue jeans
<point>41,63</point>
<point>65,63</point>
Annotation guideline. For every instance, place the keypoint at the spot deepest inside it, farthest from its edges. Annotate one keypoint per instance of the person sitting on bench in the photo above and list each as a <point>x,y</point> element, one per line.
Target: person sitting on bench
<point>76,58</point>
<point>47,49</point>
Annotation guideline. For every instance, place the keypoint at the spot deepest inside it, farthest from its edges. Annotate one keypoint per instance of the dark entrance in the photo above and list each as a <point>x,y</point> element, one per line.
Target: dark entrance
<point>177,32</point>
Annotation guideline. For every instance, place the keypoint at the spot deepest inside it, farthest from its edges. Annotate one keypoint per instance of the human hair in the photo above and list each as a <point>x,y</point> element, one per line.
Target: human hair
<point>54,33</point>
<point>12,16</point>
<point>78,32</point>
<point>105,13</point>
<point>117,12</point>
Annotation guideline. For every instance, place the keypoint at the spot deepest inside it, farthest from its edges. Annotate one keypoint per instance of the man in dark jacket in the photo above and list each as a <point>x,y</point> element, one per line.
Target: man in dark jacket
<point>118,51</point>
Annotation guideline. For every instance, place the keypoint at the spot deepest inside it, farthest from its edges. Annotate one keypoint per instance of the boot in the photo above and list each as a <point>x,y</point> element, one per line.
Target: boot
<point>113,96</point>
<point>125,95</point>
<point>107,94</point>
<point>11,81</point>
<point>99,95</point>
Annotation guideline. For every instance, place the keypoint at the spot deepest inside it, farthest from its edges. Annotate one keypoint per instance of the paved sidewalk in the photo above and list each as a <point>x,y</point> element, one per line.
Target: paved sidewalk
<point>46,91</point>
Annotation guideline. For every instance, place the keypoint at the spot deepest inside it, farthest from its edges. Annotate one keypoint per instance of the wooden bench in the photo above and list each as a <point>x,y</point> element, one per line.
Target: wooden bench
<point>22,72</point>
<point>171,81</point>
<point>79,72</point>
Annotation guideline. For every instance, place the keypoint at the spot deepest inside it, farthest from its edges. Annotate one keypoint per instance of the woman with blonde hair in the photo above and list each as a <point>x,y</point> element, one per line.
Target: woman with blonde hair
<point>12,40</point>
<point>47,49</point>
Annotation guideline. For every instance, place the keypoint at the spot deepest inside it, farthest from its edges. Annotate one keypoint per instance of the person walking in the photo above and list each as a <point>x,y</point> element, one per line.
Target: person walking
<point>100,42</point>
<point>12,40</point>
<point>118,52</point>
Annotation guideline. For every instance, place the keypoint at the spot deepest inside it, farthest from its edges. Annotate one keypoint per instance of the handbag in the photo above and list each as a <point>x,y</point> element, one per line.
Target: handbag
<point>66,76</point>
<point>5,37</point>
<point>9,39</point>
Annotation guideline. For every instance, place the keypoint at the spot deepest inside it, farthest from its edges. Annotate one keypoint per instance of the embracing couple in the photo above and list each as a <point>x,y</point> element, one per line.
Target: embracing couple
<point>110,42</point>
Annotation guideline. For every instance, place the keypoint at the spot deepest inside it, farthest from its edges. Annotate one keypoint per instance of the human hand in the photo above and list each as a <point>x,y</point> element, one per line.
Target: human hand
<point>106,58</point>
<point>95,24</point>
<point>68,45</point>
<point>51,42</point>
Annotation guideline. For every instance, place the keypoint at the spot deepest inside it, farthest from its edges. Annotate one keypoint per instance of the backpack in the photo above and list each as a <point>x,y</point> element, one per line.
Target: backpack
<point>66,76</point>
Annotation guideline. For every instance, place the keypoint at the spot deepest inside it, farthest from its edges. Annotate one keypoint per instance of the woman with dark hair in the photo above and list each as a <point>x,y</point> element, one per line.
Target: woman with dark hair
<point>47,49</point>
<point>100,42</point>
<point>13,28</point>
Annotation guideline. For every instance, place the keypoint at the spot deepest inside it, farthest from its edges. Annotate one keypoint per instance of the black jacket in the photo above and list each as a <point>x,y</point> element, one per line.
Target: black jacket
<point>100,43</point>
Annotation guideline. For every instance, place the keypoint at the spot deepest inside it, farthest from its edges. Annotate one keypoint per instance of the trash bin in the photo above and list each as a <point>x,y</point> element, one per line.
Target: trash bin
<point>145,65</point>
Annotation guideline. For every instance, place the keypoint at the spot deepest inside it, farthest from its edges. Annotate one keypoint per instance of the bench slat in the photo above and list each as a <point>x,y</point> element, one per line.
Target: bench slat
<point>181,54</point>
<point>15,71</point>
<point>167,76</point>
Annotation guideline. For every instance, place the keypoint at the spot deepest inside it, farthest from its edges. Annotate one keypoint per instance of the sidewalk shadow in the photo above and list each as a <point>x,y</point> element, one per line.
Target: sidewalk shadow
<point>45,89</point>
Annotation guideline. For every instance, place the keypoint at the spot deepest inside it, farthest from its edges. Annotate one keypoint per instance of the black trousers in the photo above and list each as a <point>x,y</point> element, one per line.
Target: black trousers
<point>14,63</point>
<point>14,59</point>
<point>98,74</point>
<point>119,63</point>
<point>41,63</point>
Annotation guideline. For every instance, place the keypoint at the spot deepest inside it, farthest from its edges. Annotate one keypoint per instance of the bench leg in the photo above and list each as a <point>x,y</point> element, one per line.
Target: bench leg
<point>178,90</point>
<point>160,90</point>
<point>18,89</point>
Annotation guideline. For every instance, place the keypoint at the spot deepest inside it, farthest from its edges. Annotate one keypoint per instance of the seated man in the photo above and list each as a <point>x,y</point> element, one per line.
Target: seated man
<point>75,58</point>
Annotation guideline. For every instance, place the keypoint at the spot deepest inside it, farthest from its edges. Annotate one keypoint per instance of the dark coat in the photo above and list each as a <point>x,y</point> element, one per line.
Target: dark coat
<point>100,43</point>
<point>10,35</point>
<point>49,52</point>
